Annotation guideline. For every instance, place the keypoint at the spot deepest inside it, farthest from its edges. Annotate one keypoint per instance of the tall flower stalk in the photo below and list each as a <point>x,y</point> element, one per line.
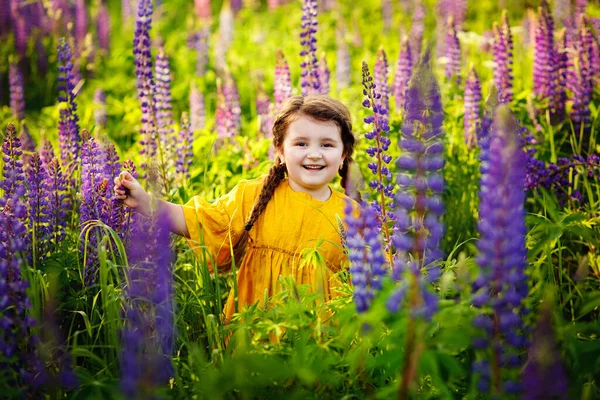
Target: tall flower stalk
<point>544,72</point>
<point>382,184</point>
<point>452,52</point>
<point>472,107</point>
<point>503,53</point>
<point>324,76</point>
<point>404,67</point>
<point>343,69</point>
<point>185,149</point>
<point>310,80</point>
<point>282,87</point>
<point>418,215</point>
<point>381,81</point>
<point>37,209</point>
<point>58,202</point>
<point>17,95</point>
<point>502,284</point>
<point>197,108</point>
<point>164,108</point>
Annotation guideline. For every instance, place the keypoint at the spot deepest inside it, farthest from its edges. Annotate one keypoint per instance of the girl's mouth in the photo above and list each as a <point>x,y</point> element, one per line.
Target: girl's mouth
<point>313,167</point>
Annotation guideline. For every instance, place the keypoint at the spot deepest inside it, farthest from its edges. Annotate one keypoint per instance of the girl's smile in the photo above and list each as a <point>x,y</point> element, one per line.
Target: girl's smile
<point>313,153</point>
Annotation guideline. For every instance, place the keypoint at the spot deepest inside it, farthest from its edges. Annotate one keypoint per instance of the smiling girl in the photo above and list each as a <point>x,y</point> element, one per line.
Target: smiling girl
<point>274,217</point>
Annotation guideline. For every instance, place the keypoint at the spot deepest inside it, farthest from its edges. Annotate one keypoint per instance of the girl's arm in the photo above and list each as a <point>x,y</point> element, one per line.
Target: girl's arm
<point>137,198</point>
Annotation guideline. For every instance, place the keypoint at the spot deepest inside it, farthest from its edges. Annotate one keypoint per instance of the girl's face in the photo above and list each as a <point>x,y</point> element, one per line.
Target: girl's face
<point>313,153</point>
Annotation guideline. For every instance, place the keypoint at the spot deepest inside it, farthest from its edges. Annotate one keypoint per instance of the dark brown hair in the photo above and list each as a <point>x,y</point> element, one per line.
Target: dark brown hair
<point>319,108</point>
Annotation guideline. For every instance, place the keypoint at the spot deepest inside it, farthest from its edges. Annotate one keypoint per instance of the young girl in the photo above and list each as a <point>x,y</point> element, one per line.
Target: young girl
<point>273,218</point>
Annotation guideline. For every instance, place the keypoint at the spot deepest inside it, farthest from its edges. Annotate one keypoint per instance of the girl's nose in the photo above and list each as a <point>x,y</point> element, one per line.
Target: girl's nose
<point>315,155</point>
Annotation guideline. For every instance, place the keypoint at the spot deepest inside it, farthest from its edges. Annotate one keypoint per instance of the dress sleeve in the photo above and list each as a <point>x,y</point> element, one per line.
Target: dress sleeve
<point>215,227</point>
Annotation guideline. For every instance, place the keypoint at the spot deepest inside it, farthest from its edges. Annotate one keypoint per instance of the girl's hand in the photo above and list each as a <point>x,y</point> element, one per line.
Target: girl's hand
<point>129,190</point>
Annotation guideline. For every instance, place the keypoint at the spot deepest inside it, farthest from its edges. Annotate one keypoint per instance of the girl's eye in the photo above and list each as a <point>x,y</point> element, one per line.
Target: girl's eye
<point>327,145</point>
<point>301,144</point>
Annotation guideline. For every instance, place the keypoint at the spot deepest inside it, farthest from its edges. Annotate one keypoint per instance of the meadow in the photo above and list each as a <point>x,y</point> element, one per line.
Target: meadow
<point>473,268</point>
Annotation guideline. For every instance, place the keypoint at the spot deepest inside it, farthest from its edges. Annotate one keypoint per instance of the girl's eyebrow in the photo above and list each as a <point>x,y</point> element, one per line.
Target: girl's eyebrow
<point>325,139</point>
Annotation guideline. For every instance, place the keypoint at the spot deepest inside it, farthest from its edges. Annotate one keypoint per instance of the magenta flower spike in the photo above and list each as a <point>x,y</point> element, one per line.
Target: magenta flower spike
<point>81,25</point>
<point>103,27</point>
<point>503,54</point>
<point>202,8</point>
<point>404,67</point>
<point>282,86</point>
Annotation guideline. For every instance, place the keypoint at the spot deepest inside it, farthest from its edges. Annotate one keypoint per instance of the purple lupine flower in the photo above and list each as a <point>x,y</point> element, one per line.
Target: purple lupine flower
<point>112,167</point>
<point>145,80</point>
<point>148,337</point>
<point>387,11</point>
<point>366,255</point>
<point>103,27</point>
<point>381,81</point>
<point>27,143</point>
<point>93,202</point>
<point>452,52</point>
<point>544,72</point>
<point>58,202</point>
<point>382,184</point>
<point>12,172</point>
<point>232,100</point>
<point>17,344</point>
<point>561,60</point>
<point>5,20</point>
<point>38,209</point>
<point>197,109</point>
<point>100,115</point>
<point>264,109</point>
<point>503,53</point>
<point>81,24</point>
<point>68,126</point>
<point>236,5</point>
<point>417,31</point>
<point>324,76</point>
<point>282,89</point>
<point>21,28</point>
<point>309,80</point>
<point>583,85</point>
<point>403,73</point>
<point>224,118</point>
<point>185,148</point>
<point>163,107</point>
<point>47,153</point>
<point>545,375</point>
<point>202,8</point>
<point>199,43</point>
<point>343,69</point>
<point>126,10</point>
<point>502,284</point>
<point>457,9</point>
<point>17,96</point>
<point>472,107</point>
<point>419,204</point>
<point>580,6</point>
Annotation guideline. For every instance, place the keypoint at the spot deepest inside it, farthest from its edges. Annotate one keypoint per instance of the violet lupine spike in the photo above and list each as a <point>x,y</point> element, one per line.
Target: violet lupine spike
<point>126,10</point>
<point>404,67</point>
<point>264,110</point>
<point>309,77</point>
<point>17,95</point>
<point>472,108</point>
<point>58,202</point>
<point>68,126</point>
<point>103,27</point>
<point>561,62</point>
<point>366,255</point>
<point>47,153</point>
<point>545,375</point>
<point>21,29</point>
<point>503,59</point>
<point>452,51</point>
<point>381,81</point>
<point>282,89</point>
<point>343,69</point>
<point>199,43</point>
<point>324,76</point>
<point>197,109</point>
<point>419,204</point>
<point>582,82</point>
<point>27,143</point>
<point>417,30</point>
<point>163,106</point>
<point>38,209</point>
<point>93,203</point>
<point>100,114</point>
<point>145,80</point>
<point>5,18</point>
<point>502,284</point>
<point>12,171</point>
<point>544,72</point>
<point>185,148</point>
<point>232,100</point>
<point>148,337</point>
<point>112,167</point>
<point>387,11</point>
<point>382,183</point>
<point>81,25</point>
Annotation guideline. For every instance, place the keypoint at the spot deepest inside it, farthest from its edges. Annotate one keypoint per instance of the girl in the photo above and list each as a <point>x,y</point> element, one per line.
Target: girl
<point>278,215</point>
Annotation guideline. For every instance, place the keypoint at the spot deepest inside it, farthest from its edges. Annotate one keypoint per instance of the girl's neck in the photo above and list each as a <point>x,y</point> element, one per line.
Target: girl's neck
<point>321,194</point>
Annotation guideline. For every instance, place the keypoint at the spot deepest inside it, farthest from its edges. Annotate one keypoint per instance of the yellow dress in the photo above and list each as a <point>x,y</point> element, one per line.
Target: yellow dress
<point>291,222</point>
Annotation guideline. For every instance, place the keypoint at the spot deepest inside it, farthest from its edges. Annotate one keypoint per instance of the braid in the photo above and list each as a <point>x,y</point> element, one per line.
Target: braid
<point>276,175</point>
